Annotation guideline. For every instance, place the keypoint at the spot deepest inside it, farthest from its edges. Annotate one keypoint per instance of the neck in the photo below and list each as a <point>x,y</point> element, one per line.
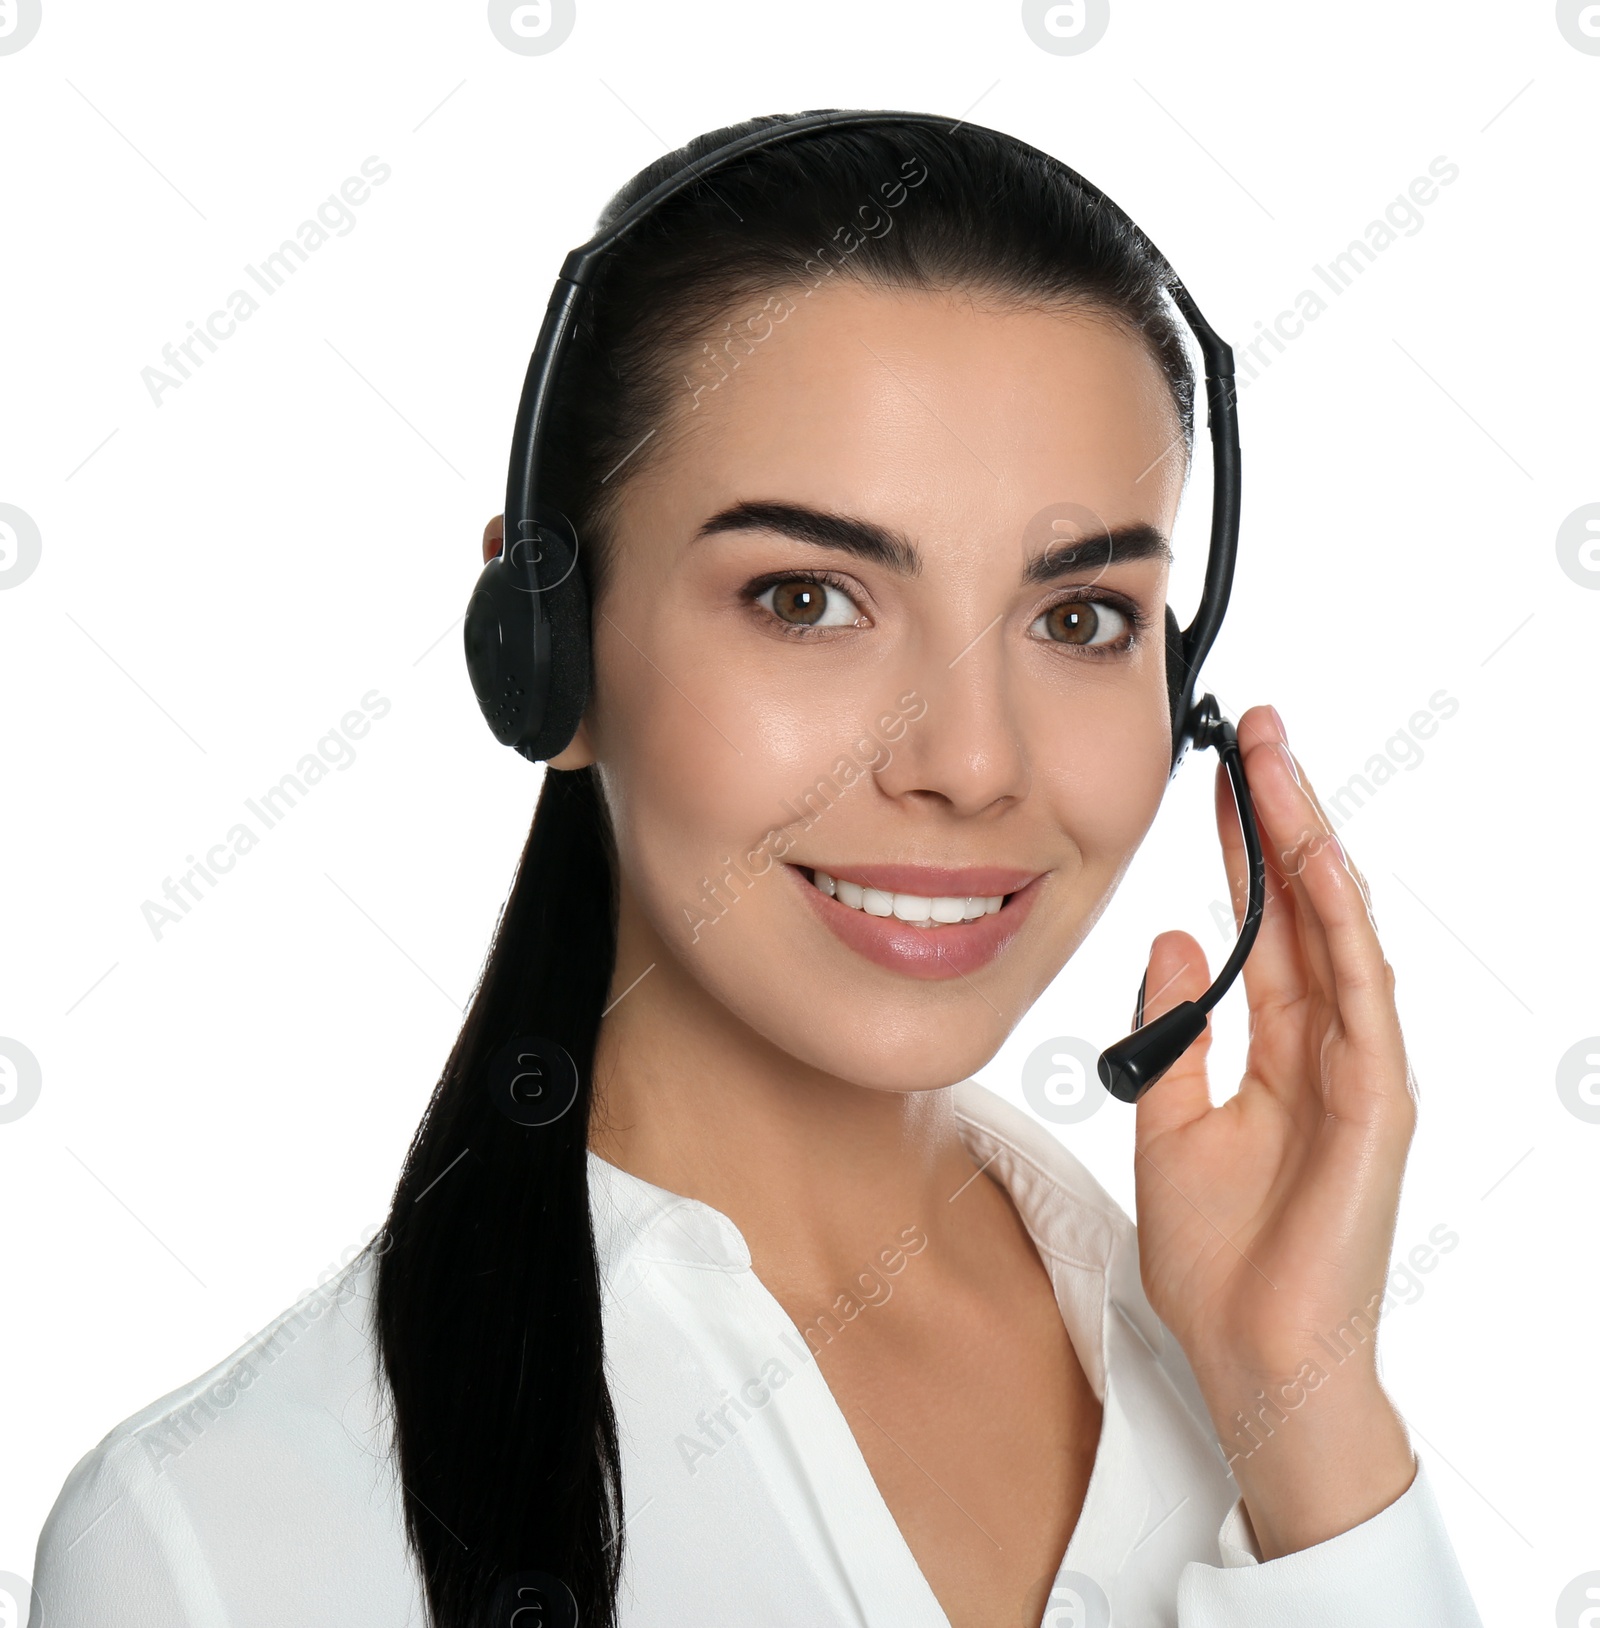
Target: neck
<point>819,1173</point>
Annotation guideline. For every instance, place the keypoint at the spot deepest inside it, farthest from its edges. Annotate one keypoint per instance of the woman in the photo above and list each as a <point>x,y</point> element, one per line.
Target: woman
<point>755,1308</point>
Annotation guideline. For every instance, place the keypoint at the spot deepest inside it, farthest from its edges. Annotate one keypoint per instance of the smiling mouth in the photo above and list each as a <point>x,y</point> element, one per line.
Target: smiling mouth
<point>922,935</point>
<point>914,909</point>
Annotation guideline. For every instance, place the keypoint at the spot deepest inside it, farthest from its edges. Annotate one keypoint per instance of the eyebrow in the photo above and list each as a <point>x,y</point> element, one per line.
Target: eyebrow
<point>895,552</point>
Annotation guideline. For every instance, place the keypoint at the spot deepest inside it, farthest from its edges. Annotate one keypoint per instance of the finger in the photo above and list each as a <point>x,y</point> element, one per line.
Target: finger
<point>1287,840</point>
<point>1262,724</point>
<point>1176,972</point>
<point>1363,988</point>
<point>1322,814</point>
<point>1288,973</point>
<point>1291,831</point>
<point>1274,970</point>
<point>1338,921</point>
<point>493,534</point>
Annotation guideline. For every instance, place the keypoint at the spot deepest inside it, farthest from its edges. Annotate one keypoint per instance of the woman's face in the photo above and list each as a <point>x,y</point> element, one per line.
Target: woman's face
<point>845,632</point>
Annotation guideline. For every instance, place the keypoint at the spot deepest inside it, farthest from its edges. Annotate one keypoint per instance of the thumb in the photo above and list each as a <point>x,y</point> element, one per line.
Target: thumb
<point>1176,972</point>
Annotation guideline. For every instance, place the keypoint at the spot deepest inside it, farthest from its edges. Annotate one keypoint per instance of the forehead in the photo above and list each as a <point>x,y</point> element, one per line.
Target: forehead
<point>935,409</point>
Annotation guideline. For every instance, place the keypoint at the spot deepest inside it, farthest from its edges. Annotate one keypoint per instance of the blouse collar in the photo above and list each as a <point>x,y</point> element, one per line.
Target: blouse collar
<point>1084,1239</point>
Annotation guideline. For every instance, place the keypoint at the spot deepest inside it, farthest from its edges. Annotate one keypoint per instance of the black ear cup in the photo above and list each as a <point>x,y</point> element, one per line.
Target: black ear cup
<point>568,605</point>
<point>508,645</point>
<point>527,639</point>
<point>1177,676</point>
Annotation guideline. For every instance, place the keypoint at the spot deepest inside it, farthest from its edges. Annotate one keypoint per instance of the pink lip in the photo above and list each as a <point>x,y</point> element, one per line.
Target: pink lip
<point>930,882</point>
<point>927,952</point>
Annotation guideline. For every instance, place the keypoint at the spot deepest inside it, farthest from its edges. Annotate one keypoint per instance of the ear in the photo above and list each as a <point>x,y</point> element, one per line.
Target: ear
<point>492,535</point>
<point>578,753</point>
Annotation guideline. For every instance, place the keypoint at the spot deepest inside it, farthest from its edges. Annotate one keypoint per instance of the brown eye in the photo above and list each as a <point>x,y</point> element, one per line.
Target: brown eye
<point>805,602</point>
<point>799,601</point>
<point>1084,622</point>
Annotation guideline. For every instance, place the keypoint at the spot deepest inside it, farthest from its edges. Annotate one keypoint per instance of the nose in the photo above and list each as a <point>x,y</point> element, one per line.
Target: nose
<point>965,753</point>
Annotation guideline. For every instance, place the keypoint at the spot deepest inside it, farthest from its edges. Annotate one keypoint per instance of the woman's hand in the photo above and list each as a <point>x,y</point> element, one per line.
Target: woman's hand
<point>1265,1223</point>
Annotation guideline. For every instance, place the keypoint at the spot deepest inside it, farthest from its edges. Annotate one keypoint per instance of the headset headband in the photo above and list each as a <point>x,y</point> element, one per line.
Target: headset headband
<point>523,548</point>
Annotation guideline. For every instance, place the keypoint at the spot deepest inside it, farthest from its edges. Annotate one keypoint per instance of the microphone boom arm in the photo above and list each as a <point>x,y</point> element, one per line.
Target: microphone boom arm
<point>1130,1067</point>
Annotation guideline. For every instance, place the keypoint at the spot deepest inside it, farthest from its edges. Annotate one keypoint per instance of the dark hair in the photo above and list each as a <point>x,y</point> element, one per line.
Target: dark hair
<point>489,1294</point>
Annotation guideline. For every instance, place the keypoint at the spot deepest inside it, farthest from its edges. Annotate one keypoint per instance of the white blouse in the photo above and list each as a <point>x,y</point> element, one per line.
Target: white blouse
<point>262,1493</point>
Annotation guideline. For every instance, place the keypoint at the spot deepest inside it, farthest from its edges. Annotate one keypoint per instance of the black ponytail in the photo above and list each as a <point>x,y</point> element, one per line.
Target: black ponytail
<point>489,1302</point>
<point>489,1292</point>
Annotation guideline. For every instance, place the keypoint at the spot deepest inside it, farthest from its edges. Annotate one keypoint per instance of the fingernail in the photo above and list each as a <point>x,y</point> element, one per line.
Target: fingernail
<point>1288,757</point>
<point>1283,733</point>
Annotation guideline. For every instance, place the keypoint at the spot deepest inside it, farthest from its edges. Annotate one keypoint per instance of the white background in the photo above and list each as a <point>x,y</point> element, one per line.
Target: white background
<point>223,576</point>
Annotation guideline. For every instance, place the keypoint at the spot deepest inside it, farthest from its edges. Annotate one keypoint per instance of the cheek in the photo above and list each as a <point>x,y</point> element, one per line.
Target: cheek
<point>708,769</point>
<point>1102,773</point>
<point>1116,774</point>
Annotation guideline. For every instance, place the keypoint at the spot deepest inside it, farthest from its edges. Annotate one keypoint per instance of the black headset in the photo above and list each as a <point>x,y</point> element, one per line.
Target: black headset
<point>527,624</point>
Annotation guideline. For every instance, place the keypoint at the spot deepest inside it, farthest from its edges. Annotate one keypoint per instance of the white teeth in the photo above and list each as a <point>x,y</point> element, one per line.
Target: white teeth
<point>910,907</point>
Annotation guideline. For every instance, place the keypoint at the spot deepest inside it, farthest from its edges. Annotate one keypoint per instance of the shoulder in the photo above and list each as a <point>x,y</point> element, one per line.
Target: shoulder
<point>231,1486</point>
